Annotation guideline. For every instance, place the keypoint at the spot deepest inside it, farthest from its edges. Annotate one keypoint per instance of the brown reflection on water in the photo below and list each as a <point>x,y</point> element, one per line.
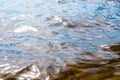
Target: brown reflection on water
<point>83,70</point>
<point>108,69</point>
<point>91,71</point>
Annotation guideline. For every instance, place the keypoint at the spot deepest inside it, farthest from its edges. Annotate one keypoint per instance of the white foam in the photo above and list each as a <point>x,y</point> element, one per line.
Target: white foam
<point>25,28</point>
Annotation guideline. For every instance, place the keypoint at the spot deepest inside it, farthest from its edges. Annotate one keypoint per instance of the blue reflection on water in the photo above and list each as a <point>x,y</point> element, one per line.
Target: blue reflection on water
<point>97,23</point>
<point>8,45</point>
<point>12,51</point>
<point>106,15</point>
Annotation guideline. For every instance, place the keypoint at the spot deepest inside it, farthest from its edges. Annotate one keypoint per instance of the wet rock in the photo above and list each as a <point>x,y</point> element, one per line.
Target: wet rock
<point>115,48</point>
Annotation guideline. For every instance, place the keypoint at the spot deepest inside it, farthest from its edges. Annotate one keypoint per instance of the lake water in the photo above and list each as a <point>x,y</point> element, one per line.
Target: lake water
<point>50,40</point>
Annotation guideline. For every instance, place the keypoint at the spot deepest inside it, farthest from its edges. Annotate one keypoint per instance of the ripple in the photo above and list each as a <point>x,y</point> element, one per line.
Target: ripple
<point>59,39</point>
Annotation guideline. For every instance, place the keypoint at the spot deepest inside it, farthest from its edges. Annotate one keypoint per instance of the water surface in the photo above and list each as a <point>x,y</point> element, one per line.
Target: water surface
<point>41,38</point>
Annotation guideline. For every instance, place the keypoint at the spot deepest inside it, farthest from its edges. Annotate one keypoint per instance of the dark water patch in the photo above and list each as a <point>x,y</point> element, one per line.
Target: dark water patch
<point>112,61</point>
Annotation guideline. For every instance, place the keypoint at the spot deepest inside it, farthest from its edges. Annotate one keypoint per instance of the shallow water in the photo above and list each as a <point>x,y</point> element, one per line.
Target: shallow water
<point>41,39</point>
